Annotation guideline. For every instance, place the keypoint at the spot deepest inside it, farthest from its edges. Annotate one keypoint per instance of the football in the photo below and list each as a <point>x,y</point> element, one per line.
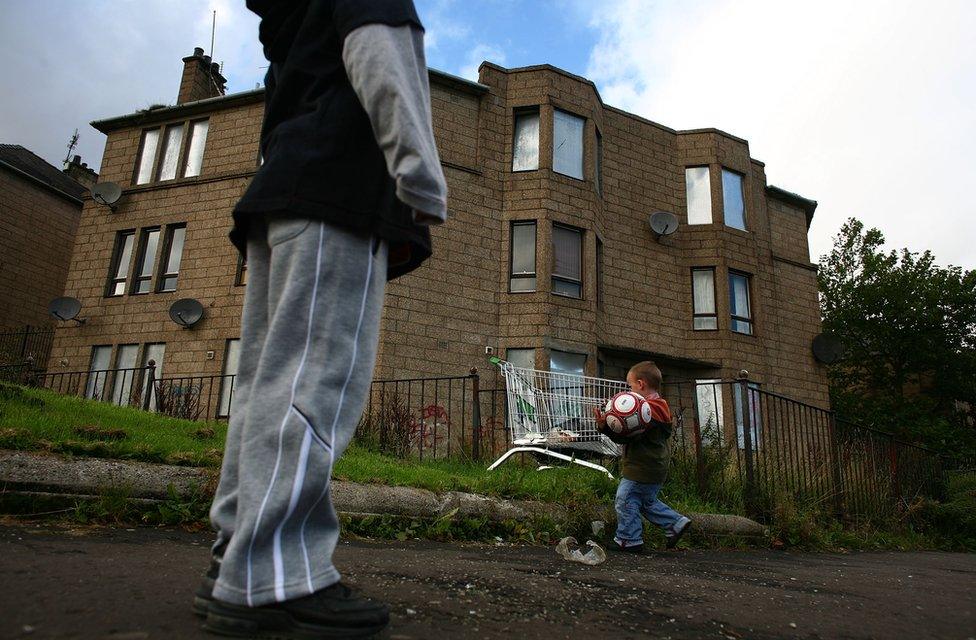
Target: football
<point>627,413</point>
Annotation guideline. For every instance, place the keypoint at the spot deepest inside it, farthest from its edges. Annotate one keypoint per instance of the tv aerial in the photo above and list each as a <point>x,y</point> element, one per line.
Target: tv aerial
<point>65,309</point>
<point>186,312</point>
<point>106,193</point>
<point>663,223</point>
<point>828,348</point>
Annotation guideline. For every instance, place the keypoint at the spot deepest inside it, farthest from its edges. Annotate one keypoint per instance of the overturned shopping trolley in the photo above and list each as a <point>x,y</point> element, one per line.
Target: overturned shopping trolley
<point>551,414</point>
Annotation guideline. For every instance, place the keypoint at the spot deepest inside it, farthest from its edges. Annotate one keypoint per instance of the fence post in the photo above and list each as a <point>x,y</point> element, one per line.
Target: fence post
<point>23,343</point>
<point>835,467</point>
<point>699,457</point>
<point>893,464</point>
<point>475,414</point>
<point>150,384</point>
<point>749,489</point>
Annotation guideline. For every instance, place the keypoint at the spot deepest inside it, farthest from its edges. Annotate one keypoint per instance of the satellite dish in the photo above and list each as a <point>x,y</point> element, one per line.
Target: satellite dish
<point>107,193</point>
<point>828,348</point>
<point>65,309</point>
<point>663,223</point>
<point>186,312</point>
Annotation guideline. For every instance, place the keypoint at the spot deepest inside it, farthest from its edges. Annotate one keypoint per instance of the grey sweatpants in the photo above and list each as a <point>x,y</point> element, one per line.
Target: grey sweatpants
<point>308,348</point>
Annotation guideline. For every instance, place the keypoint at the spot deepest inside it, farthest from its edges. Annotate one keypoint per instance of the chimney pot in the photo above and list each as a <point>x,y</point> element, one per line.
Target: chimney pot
<point>215,67</point>
<point>206,60</point>
<point>76,159</point>
<point>198,52</point>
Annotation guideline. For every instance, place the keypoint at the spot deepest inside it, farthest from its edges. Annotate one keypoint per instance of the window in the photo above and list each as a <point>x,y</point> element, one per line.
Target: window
<point>703,292</point>
<point>567,249</point>
<point>522,275</point>
<point>567,144</point>
<point>567,362</point>
<point>755,415</point>
<point>733,202</point>
<point>98,371</point>
<point>171,151</point>
<point>241,278</point>
<point>147,155</point>
<point>599,273</point>
<point>119,268</point>
<point>739,303</point>
<point>232,358</point>
<point>525,156</point>
<point>155,352</point>
<point>198,140</point>
<point>125,364</point>
<point>699,192</point>
<point>164,164</point>
<point>172,256</point>
<point>708,396</point>
<point>599,163</point>
<point>567,389</point>
<point>142,280</point>
<point>523,358</point>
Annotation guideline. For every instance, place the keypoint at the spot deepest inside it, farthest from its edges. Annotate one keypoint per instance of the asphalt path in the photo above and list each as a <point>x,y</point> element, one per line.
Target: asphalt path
<point>127,584</point>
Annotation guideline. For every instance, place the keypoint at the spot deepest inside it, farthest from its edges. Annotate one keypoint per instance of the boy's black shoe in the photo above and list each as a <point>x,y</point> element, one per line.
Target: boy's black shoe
<point>631,548</point>
<point>203,596</point>
<point>673,540</point>
<point>333,612</point>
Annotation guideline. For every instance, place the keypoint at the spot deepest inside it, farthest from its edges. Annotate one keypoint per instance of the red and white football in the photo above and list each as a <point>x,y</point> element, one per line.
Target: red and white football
<point>628,414</point>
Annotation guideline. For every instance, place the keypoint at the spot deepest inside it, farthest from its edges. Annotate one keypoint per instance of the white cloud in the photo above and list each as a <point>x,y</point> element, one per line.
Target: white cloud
<point>865,107</point>
<point>478,54</point>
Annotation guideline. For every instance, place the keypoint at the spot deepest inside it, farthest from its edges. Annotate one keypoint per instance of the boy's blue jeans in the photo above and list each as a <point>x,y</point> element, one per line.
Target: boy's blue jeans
<point>635,498</point>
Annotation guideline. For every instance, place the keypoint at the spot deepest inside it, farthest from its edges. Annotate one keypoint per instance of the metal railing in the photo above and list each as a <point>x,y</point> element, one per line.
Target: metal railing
<point>755,451</point>
<point>194,397</point>
<point>431,418</point>
<point>120,386</point>
<point>26,344</point>
<point>735,445</point>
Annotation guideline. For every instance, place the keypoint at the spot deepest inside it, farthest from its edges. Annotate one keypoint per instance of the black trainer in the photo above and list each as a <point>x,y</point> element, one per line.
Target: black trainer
<point>613,545</point>
<point>333,612</point>
<point>203,596</point>
<point>673,540</point>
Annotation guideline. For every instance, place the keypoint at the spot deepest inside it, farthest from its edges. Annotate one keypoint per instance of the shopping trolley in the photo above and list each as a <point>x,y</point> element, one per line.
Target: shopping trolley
<point>551,414</point>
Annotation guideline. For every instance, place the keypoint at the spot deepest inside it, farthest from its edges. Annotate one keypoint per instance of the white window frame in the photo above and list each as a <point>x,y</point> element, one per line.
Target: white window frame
<point>698,192</point>
<point>565,127</point>
<point>709,409</point>
<point>728,190</point>
<point>525,143</point>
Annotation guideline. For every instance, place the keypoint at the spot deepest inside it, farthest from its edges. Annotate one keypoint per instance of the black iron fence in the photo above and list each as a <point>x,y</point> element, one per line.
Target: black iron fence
<point>194,397</point>
<point>739,447</point>
<point>434,418</point>
<point>757,452</point>
<point>122,386</point>
<point>26,345</point>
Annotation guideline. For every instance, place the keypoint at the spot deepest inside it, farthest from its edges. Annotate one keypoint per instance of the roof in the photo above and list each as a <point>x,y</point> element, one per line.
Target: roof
<point>807,205</point>
<point>161,113</point>
<point>32,166</point>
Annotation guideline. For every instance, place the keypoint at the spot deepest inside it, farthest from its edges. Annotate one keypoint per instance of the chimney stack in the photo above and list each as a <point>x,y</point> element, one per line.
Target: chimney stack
<point>80,172</point>
<point>201,78</point>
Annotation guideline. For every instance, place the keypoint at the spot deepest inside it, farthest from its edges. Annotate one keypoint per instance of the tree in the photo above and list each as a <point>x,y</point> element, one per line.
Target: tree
<point>910,331</point>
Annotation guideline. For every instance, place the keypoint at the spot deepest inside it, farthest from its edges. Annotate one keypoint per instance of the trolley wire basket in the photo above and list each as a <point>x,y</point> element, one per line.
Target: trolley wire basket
<point>551,414</point>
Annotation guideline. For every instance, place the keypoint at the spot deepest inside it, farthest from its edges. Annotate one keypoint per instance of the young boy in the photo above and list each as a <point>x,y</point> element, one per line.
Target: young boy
<point>350,182</point>
<point>644,467</point>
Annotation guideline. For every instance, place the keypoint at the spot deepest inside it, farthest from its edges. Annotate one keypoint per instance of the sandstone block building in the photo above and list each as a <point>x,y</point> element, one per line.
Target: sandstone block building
<point>547,257</point>
<point>40,208</point>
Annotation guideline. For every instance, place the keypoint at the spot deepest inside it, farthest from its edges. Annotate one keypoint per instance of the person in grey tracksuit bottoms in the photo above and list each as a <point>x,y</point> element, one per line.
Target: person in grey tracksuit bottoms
<point>349,184</point>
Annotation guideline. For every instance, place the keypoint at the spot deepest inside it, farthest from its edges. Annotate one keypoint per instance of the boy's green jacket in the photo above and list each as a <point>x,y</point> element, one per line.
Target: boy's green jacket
<point>647,456</point>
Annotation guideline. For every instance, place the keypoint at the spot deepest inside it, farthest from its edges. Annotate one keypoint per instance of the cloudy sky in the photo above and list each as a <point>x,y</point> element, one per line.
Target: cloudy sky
<point>868,107</point>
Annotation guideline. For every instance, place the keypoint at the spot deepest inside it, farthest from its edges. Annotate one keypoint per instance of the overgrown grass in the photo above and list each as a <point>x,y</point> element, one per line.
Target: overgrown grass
<point>37,419</point>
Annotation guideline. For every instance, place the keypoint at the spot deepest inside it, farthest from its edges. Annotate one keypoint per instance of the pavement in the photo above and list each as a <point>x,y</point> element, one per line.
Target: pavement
<point>128,584</point>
